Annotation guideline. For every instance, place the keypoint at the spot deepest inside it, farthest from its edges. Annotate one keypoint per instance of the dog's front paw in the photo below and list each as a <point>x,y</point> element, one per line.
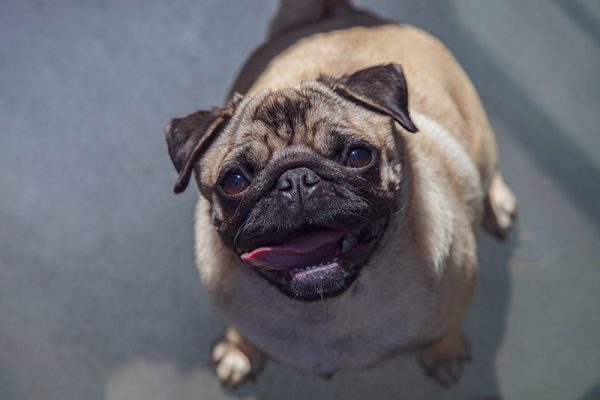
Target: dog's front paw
<point>236,361</point>
<point>445,359</point>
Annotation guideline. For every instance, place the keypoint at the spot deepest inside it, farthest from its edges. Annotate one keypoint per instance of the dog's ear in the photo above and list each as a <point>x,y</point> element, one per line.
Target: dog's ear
<point>381,88</point>
<point>189,137</point>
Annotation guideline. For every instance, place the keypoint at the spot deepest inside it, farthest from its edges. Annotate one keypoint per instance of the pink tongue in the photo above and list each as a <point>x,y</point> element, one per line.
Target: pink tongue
<point>304,251</point>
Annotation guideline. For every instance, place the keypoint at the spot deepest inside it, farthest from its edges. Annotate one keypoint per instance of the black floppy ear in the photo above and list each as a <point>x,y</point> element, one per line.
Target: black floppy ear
<point>381,88</point>
<point>189,137</point>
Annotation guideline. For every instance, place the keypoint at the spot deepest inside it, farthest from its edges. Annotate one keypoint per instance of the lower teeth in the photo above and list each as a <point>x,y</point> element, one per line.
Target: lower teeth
<point>349,242</point>
<point>316,266</point>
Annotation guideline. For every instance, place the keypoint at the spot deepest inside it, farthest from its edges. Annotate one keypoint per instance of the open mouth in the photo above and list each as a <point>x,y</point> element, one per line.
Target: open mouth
<point>316,263</point>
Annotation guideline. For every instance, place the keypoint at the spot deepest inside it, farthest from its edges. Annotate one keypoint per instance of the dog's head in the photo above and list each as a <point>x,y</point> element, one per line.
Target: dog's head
<point>301,181</point>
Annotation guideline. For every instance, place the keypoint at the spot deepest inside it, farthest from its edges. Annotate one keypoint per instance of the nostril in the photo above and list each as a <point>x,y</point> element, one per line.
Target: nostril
<point>311,179</point>
<point>284,184</point>
<point>297,178</point>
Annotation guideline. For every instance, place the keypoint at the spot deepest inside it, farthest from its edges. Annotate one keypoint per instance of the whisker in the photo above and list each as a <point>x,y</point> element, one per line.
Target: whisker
<point>242,226</point>
<point>218,252</point>
<point>177,206</point>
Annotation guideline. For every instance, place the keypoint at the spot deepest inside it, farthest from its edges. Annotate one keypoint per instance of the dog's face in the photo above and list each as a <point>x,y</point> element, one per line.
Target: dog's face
<point>301,181</point>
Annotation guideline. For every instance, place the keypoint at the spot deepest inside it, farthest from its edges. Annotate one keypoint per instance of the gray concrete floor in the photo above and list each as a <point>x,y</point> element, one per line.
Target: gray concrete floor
<point>99,298</point>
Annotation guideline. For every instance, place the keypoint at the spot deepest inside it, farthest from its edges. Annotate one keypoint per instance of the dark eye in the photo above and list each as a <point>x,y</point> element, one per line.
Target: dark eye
<point>358,157</point>
<point>235,183</point>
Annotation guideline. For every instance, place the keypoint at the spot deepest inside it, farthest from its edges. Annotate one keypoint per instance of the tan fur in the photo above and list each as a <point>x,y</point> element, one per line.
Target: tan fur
<point>417,286</point>
<point>438,86</point>
<point>444,360</point>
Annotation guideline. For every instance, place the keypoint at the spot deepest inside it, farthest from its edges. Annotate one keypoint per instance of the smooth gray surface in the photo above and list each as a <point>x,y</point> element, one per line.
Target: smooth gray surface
<point>99,298</point>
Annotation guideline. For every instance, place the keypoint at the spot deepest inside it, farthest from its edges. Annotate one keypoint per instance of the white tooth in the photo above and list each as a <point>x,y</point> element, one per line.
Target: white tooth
<point>349,242</point>
<point>346,245</point>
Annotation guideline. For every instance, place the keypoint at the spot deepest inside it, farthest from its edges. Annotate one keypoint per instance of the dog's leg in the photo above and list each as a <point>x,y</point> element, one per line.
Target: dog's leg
<point>444,360</point>
<point>235,359</point>
<point>500,207</point>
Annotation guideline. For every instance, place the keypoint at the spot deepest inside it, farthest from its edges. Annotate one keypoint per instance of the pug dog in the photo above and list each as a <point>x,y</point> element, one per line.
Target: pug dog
<point>340,200</point>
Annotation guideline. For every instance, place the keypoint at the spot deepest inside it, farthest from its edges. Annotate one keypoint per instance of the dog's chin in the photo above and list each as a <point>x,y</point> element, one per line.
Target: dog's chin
<point>333,272</point>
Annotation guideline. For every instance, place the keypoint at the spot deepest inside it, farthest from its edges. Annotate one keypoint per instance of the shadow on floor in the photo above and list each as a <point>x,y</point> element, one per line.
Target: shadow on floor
<point>592,394</point>
<point>549,146</point>
<point>581,18</point>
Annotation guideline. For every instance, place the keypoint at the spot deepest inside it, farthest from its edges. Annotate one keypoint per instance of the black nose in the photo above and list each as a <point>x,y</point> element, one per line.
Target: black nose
<point>298,181</point>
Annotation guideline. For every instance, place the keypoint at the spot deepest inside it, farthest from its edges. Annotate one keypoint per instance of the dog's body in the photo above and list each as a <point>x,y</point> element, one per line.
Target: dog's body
<point>416,285</point>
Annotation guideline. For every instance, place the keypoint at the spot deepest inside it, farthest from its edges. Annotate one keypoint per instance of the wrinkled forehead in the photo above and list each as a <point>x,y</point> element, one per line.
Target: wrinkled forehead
<point>287,117</point>
<point>309,117</point>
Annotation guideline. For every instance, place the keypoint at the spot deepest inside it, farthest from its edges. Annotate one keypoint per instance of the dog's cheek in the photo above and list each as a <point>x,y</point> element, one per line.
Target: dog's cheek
<point>391,174</point>
<point>216,214</point>
<point>217,222</point>
<point>222,224</point>
<point>221,214</point>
